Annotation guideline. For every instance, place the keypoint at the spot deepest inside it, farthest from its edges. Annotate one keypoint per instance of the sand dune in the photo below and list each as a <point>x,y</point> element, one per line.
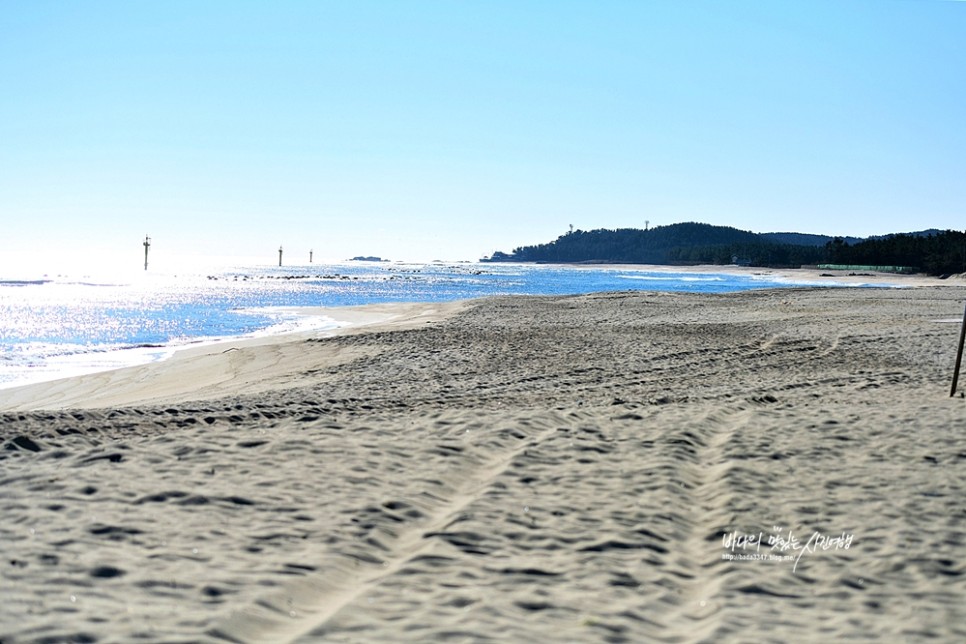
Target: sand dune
<point>572,469</point>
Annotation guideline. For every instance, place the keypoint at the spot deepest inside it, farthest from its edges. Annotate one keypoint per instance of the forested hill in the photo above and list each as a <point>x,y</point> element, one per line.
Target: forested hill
<point>685,243</point>
<point>695,243</point>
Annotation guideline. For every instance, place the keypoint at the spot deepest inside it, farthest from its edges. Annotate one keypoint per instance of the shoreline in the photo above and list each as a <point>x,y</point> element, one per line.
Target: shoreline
<point>213,368</point>
<point>818,276</point>
<point>795,278</point>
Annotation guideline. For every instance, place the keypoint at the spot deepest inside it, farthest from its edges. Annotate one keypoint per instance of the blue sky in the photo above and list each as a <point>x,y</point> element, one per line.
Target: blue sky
<point>448,130</point>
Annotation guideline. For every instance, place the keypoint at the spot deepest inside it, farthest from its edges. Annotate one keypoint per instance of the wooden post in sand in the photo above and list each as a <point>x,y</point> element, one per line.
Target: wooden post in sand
<point>959,357</point>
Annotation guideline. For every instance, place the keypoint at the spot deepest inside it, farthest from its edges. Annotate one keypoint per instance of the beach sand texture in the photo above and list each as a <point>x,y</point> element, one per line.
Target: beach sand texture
<point>544,469</point>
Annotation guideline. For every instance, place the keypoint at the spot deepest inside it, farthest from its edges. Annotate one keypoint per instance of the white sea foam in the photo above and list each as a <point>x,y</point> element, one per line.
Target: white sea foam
<point>674,277</point>
<point>41,363</point>
<point>293,320</point>
<point>32,362</point>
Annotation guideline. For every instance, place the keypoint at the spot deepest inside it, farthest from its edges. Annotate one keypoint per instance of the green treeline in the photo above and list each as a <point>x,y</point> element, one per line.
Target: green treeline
<point>939,254</point>
<point>695,243</point>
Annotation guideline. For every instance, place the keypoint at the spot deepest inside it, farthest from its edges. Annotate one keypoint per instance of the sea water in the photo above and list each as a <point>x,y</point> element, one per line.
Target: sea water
<point>63,325</point>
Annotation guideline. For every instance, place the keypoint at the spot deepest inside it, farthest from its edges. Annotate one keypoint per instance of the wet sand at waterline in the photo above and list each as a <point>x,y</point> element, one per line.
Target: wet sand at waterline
<point>591,468</point>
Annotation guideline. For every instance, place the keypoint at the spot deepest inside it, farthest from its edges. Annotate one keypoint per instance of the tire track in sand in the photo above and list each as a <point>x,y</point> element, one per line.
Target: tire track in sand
<point>307,603</point>
<point>691,608</point>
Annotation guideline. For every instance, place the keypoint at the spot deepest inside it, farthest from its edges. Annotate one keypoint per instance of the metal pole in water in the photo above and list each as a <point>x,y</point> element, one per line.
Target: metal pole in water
<point>279,255</point>
<point>959,356</point>
<point>147,245</point>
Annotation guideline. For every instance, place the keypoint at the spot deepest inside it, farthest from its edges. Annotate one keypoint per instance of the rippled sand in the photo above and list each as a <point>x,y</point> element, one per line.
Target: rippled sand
<point>546,469</point>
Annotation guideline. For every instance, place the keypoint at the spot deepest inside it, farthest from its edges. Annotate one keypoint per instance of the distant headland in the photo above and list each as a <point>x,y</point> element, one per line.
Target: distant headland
<point>933,251</point>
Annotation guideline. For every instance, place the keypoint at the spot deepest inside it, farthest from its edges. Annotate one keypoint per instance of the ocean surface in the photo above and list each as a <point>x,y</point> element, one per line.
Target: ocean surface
<point>58,326</point>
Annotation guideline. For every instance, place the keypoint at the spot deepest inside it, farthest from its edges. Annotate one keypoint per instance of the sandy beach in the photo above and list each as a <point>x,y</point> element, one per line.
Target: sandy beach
<point>771,466</point>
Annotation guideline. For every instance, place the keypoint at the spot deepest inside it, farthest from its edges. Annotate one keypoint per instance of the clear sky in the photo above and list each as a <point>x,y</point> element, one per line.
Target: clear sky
<point>448,130</point>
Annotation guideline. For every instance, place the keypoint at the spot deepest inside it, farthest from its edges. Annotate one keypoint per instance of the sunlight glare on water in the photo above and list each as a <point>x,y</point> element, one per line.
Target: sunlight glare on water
<point>57,324</point>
